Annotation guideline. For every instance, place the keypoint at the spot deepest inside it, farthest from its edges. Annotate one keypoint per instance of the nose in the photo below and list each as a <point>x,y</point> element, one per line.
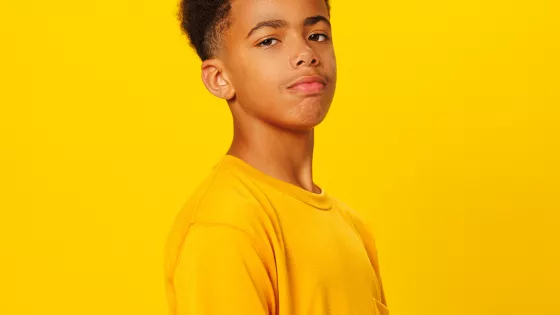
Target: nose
<point>304,56</point>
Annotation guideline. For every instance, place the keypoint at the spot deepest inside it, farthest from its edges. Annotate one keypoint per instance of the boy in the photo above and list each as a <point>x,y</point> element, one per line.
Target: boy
<point>259,236</point>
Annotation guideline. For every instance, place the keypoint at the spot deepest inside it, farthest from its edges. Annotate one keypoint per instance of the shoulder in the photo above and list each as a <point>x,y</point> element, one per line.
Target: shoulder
<point>227,197</point>
<point>224,198</point>
<point>349,213</point>
<point>356,219</point>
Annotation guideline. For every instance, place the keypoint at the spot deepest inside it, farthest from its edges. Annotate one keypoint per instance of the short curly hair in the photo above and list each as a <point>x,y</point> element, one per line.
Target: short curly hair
<point>204,22</point>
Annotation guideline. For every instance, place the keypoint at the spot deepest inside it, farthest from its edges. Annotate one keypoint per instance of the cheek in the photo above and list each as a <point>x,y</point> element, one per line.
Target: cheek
<point>330,64</point>
<point>262,85</point>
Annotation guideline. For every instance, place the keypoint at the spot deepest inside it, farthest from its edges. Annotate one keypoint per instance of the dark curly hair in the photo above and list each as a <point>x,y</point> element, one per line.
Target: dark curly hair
<point>204,22</point>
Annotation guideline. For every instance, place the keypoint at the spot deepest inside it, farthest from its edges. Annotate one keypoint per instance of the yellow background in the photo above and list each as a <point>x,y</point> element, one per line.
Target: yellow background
<point>444,134</point>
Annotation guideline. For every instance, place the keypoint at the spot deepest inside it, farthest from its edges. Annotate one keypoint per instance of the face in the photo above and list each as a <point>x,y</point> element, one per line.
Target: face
<point>279,61</point>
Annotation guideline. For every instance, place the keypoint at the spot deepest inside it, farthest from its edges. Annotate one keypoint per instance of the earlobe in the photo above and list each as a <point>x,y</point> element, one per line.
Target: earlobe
<point>215,79</point>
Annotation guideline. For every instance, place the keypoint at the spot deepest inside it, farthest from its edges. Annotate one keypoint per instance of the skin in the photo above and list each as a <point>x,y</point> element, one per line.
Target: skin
<point>254,69</point>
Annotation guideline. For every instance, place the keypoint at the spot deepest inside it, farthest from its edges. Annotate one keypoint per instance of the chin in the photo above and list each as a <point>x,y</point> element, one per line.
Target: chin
<point>307,118</point>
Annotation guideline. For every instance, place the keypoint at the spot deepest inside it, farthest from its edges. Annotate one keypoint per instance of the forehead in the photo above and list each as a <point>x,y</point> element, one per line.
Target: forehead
<point>246,13</point>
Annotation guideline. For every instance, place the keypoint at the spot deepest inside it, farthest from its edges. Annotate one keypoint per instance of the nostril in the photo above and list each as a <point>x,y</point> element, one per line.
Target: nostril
<point>300,62</point>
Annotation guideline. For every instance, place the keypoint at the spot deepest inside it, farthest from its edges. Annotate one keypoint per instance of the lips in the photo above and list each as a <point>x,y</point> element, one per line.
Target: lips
<point>308,84</point>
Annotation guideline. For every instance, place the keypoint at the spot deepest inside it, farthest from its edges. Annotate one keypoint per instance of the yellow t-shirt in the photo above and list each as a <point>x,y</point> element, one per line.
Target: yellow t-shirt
<point>247,243</point>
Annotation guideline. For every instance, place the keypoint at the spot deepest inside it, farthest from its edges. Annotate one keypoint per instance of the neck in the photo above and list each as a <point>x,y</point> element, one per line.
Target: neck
<point>285,155</point>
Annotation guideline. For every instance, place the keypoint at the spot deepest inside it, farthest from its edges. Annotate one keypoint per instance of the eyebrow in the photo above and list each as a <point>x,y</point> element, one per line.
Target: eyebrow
<point>282,23</point>
<point>316,19</point>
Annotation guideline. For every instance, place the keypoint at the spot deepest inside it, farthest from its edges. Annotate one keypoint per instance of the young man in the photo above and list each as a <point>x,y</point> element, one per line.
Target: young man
<point>259,236</point>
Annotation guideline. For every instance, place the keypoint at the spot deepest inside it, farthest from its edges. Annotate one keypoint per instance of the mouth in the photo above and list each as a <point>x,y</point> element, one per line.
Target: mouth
<point>313,84</point>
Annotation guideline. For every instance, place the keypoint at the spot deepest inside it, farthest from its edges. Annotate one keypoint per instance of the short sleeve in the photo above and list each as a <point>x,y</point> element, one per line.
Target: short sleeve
<point>221,270</point>
<point>370,245</point>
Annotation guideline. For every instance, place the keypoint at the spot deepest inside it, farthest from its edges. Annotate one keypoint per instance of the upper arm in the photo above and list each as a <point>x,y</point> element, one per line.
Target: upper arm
<point>222,270</point>
<point>369,241</point>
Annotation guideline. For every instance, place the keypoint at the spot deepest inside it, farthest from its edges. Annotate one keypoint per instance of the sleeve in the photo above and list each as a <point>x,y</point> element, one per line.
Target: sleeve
<point>369,242</point>
<point>221,270</point>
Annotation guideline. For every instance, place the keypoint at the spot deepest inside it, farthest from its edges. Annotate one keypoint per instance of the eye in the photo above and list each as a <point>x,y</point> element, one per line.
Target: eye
<point>318,37</point>
<point>268,42</point>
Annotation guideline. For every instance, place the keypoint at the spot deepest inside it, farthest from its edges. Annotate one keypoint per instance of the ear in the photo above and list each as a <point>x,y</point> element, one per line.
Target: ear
<point>216,79</point>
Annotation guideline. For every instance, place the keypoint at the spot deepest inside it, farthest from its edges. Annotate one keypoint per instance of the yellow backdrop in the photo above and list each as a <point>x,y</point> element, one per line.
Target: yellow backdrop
<point>444,134</point>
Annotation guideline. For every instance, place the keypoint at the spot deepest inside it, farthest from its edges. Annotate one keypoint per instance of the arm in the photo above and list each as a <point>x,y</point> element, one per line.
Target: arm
<point>369,243</point>
<point>221,270</point>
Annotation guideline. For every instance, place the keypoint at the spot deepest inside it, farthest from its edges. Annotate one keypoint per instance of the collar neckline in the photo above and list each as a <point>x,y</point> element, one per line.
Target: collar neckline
<point>318,200</point>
